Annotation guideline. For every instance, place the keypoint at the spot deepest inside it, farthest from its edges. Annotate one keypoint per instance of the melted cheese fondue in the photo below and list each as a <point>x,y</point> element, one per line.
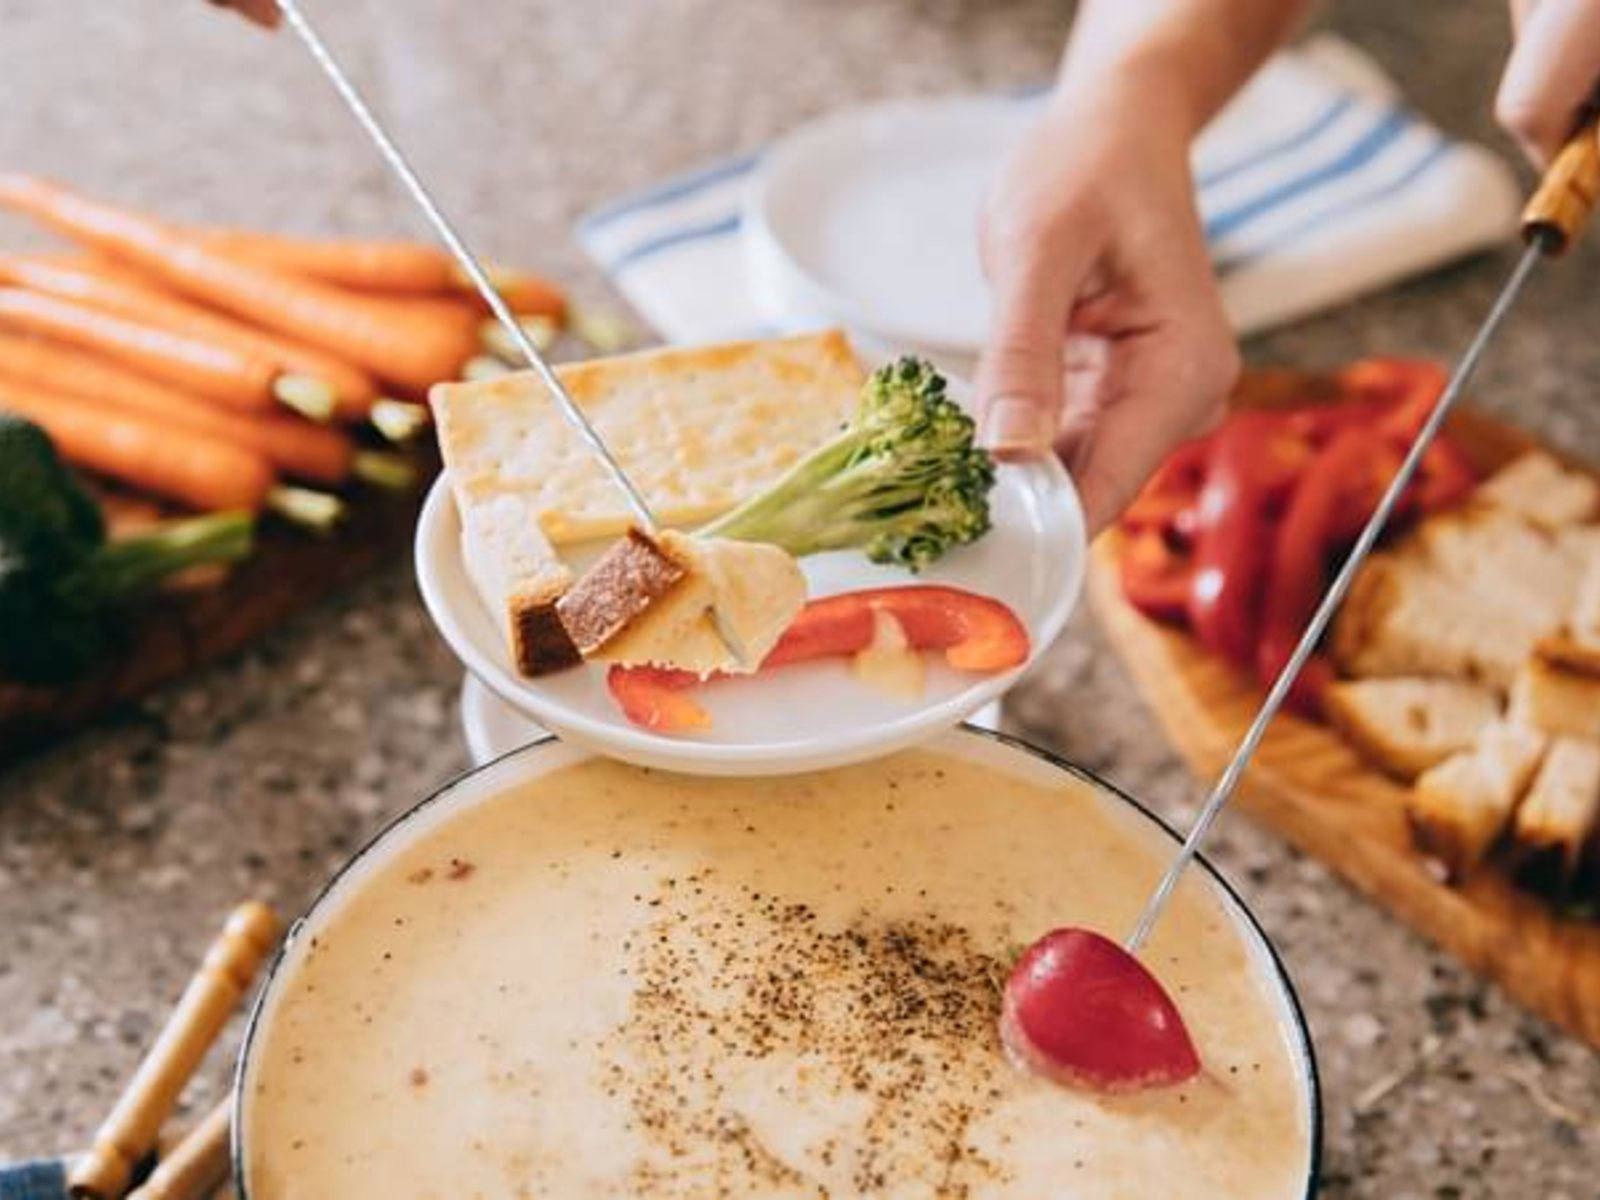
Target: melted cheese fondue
<point>613,982</point>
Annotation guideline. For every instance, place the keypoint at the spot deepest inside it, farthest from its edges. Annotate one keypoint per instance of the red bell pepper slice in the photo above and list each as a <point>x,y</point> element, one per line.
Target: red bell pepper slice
<point>1414,382</point>
<point>1168,499</point>
<point>653,697</point>
<point>1333,499</point>
<point>1255,461</point>
<point>1156,577</point>
<point>976,633</point>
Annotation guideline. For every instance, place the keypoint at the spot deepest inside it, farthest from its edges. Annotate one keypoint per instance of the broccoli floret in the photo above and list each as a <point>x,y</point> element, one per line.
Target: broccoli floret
<point>902,482</point>
<point>61,581</point>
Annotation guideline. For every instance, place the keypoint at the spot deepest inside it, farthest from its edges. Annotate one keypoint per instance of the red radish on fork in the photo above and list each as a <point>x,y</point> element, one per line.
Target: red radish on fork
<point>1081,1010</point>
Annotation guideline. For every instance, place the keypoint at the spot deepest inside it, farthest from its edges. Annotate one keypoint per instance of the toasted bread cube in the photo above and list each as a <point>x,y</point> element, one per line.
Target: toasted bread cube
<point>1561,810</point>
<point>1459,808</point>
<point>1406,726</point>
<point>1539,488</point>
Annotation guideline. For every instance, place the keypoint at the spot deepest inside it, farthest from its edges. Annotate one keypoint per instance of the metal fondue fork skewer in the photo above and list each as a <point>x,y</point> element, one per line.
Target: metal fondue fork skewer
<point>474,271</point>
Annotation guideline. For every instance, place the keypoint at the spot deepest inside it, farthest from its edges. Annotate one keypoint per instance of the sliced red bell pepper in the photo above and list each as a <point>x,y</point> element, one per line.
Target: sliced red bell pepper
<point>1332,500</point>
<point>976,633</point>
<point>653,697</point>
<point>1167,501</point>
<point>1254,463</point>
<point>1445,477</point>
<point>1156,576</point>
<point>1402,381</point>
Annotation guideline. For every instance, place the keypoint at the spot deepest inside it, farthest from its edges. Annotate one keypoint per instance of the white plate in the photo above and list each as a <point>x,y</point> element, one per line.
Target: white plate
<point>869,218</point>
<point>493,728</point>
<point>802,717</point>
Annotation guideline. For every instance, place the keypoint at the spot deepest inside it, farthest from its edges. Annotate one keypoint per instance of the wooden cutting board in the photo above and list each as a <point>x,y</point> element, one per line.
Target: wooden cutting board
<point>172,632</point>
<point>1314,790</point>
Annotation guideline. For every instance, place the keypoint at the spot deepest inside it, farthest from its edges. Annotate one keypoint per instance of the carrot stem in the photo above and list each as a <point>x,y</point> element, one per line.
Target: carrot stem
<point>310,397</point>
<point>390,472</point>
<point>399,420</point>
<point>498,341</point>
<point>313,510</point>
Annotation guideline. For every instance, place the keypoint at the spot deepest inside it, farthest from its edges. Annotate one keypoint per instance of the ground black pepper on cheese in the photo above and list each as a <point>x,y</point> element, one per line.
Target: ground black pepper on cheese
<point>880,1007</point>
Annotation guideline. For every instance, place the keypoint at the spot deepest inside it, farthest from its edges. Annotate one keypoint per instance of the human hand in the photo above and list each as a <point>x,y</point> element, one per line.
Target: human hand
<point>1108,337</point>
<point>262,12</point>
<point>1553,72</point>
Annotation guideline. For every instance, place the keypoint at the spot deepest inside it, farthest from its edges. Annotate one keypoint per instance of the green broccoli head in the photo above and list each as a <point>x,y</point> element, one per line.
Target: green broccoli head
<point>903,482</point>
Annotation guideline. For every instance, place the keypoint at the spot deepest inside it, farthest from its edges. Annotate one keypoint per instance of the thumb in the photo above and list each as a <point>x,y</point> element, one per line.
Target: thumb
<point>1020,371</point>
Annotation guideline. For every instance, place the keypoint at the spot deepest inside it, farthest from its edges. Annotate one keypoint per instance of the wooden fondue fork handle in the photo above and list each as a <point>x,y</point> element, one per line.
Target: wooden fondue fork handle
<point>131,1130</point>
<point>1568,193</point>
<point>195,1165</point>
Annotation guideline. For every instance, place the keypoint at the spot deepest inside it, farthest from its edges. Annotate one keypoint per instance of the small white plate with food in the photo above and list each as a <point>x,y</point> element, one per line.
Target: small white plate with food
<point>778,471</point>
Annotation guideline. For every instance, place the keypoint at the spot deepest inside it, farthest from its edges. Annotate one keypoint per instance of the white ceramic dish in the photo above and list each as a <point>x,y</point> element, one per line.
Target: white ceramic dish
<point>802,717</point>
<point>493,728</point>
<point>868,217</point>
<point>994,751</point>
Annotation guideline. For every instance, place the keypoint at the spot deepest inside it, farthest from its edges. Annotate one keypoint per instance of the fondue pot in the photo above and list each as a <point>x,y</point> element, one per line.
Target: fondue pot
<point>992,752</point>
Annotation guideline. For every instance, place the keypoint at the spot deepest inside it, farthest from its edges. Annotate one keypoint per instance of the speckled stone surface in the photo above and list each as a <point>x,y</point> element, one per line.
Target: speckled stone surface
<point>120,849</point>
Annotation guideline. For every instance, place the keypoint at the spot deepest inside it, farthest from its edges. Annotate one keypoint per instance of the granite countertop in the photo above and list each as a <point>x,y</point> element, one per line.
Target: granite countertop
<point>122,848</point>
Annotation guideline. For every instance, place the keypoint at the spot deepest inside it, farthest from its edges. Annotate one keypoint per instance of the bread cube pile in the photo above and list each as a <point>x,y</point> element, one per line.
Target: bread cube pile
<point>1471,651</point>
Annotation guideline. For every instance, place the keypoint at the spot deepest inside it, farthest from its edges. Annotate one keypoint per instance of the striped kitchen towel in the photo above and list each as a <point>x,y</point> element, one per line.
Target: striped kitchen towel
<point>45,1179</point>
<point>1316,185</point>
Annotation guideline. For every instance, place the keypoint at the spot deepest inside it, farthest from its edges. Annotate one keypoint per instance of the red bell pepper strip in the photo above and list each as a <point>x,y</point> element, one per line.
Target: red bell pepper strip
<point>976,633</point>
<point>1408,382</point>
<point>1168,499</point>
<point>1255,461</point>
<point>1336,497</point>
<point>653,697</point>
<point>1445,477</point>
<point>1332,500</point>
<point>1156,577</point>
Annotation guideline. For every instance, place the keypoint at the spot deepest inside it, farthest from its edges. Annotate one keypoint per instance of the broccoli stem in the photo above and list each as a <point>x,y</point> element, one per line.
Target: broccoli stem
<point>134,563</point>
<point>797,513</point>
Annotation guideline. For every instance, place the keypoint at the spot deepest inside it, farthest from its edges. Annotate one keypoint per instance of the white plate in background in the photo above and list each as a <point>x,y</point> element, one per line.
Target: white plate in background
<point>868,217</point>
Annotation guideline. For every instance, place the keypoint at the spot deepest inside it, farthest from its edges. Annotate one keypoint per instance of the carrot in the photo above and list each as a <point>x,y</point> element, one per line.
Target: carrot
<point>411,350</point>
<point>112,288</point>
<point>526,294</point>
<point>202,472</point>
<point>408,268</point>
<point>227,376</point>
<point>295,447</point>
<point>391,266</point>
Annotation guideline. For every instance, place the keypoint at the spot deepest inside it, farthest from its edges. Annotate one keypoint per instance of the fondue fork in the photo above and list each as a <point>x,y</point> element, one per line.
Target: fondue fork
<point>465,258</point>
<point>130,1132</point>
<point>485,287</point>
<point>1553,218</point>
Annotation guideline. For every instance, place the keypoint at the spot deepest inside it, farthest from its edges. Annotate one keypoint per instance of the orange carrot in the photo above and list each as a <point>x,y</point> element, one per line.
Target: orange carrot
<point>113,288</point>
<point>202,472</point>
<point>412,350</point>
<point>390,266</point>
<point>526,294</point>
<point>298,448</point>
<point>365,266</point>
<point>239,380</point>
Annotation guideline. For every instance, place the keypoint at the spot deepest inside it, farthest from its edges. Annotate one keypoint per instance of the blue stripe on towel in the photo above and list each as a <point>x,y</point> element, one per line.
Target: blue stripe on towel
<point>1293,141</point>
<point>693,233</point>
<point>1433,154</point>
<point>1393,123</point>
<point>673,189</point>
